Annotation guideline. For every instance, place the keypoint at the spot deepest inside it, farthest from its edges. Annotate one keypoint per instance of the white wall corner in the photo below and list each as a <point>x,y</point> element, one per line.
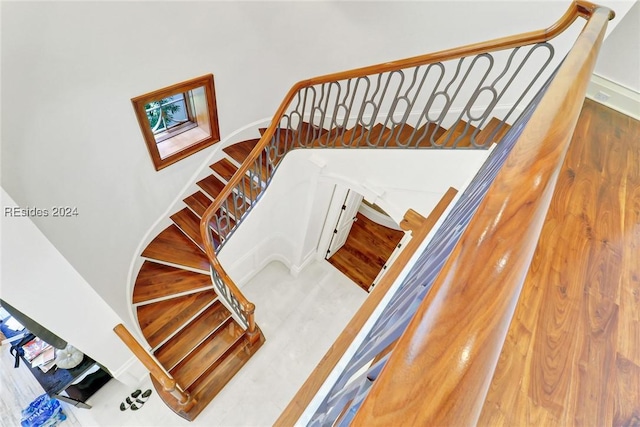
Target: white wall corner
<point>318,161</point>
<point>131,373</point>
<point>269,249</point>
<point>372,192</point>
<point>295,270</point>
<point>614,95</point>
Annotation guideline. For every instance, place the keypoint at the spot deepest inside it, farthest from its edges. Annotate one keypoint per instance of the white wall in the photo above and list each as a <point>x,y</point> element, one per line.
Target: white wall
<point>69,69</point>
<point>287,222</point>
<point>38,281</point>
<point>619,59</point>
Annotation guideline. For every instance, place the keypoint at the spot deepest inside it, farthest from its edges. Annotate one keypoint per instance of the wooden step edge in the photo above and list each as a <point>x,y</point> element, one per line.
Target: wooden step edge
<point>341,137</point>
<point>186,322</point>
<point>188,223</point>
<point>196,199</point>
<point>330,139</point>
<point>454,138</point>
<point>174,265</point>
<point>172,296</point>
<point>207,390</point>
<point>191,324</point>
<point>482,136</point>
<point>145,282</point>
<point>424,134</point>
<point>203,377</point>
<point>398,137</point>
<point>249,189</point>
<point>219,166</point>
<point>209,387</point>
<point>371,136</point>
<point>194,351</point>
<point>173,404</point>
<point>212,225</point>
<point>227,151</point>
<point>203,187</point>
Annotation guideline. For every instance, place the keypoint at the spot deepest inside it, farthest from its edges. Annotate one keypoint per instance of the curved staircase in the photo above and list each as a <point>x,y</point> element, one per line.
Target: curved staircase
<point>192,334</point>
<point>199,326</point>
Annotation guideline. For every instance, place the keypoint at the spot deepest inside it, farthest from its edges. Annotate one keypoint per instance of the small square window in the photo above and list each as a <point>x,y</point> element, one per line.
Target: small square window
<point>178,120</point>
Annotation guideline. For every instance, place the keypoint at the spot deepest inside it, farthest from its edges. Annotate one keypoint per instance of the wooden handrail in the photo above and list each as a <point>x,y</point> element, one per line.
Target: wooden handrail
<point>419,228</point>
<point>168,383</point>
<point>578,8</point>
<point>442,366</point>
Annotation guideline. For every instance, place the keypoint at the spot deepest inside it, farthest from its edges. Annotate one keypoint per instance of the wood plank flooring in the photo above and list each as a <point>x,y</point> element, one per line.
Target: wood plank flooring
<point>572,354</point>
<point>366,250</point>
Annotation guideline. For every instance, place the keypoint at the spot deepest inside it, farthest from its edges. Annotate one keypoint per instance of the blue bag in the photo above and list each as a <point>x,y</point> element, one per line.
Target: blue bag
<point>43,412</point>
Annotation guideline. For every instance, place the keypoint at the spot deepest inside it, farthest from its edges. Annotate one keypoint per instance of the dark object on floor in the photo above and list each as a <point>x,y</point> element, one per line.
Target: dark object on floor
<point>128,402</point>
<point>139,402</point>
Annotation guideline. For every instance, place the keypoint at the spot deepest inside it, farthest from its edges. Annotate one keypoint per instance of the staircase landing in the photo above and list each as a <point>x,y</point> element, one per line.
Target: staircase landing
<point>366,251</point>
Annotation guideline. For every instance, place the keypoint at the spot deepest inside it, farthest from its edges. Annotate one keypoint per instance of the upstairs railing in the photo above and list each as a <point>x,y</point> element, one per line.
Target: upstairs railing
<point>430,358</point>
<point>474,91</point>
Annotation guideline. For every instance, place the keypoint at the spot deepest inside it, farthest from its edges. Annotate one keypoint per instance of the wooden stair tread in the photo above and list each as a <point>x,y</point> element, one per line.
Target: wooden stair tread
<point>211,185</point>
<point>206,354</point>
<point>172,246</point>
<point>486,133</point>
<point>240,150</point>
<point>425,133</point>
<point>224,168</point>
<point>180,345</point>
<point>158,280</point>
<point>351,137</point>
<point>198,203</point>
<point>307,133</point>
<point>399,135</point>
<point>189,223</point>
<point>215,378</point>
<point>374,136</point>
<point>250,188</point>
<point>347,139</point>
<point>210,384</point>
<point>161,319</point>
<point>329,139</point>
<point>448,139</point>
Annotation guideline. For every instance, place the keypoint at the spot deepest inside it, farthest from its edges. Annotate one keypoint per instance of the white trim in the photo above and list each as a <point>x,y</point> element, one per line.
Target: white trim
<point>378,217</point>
<point>620,98</point>
<point>295,270</point>
<point>246,263</point>
<point>131,373</point>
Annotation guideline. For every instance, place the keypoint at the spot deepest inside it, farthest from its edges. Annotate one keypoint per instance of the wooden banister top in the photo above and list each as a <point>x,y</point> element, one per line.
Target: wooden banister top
<point>441,368</point>
<point>578,8</point>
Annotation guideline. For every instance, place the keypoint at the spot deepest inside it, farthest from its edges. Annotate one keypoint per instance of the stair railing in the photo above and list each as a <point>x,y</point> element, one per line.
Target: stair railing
<point>169,384</point>
<point>445,381</point>
<point>399,104</point>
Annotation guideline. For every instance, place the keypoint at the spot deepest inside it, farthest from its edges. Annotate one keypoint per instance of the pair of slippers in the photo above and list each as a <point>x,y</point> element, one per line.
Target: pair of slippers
<point>136,400</point>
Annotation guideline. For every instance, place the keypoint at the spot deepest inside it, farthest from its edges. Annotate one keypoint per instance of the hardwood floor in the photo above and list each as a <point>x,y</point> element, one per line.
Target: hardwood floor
<point>572,354</point>
<point>368,247</point>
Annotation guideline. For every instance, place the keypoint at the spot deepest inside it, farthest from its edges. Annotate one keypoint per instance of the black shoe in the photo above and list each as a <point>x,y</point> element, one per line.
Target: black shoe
<point>127,402</point>
<point>139,402</point>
